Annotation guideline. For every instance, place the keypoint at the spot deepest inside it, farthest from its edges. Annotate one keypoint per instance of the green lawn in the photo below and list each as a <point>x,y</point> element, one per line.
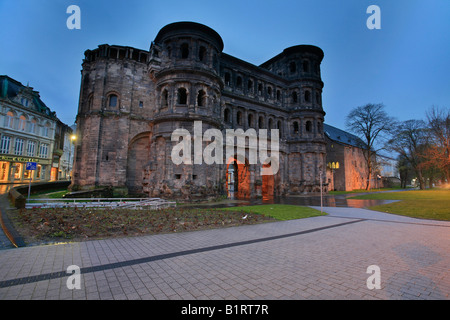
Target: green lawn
<point>424,204</point>
<point>279,211</point>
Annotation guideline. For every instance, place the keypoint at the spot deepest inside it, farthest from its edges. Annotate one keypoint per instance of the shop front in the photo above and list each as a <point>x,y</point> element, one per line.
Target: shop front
<point>13,169</point>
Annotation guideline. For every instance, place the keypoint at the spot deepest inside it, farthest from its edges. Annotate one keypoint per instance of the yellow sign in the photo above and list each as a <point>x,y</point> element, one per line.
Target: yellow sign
<point>18,159</point>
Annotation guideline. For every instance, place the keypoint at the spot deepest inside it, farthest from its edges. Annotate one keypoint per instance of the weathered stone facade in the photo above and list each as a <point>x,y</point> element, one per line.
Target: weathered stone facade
<point>132,100</point>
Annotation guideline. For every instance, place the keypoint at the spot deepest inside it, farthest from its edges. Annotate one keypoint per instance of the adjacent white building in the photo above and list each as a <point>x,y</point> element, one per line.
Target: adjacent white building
<point>27,133</point>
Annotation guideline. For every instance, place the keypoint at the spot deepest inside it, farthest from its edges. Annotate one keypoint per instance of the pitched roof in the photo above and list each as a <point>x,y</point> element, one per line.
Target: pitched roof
<point>10,88</point>
<point>342,137</point>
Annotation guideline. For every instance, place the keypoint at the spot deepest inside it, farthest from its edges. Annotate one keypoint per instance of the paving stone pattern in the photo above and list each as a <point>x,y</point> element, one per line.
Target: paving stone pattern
<point>315,258</point>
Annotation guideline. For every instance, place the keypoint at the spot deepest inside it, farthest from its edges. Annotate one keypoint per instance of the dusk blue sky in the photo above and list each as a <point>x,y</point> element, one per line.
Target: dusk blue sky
<point>405,65</point>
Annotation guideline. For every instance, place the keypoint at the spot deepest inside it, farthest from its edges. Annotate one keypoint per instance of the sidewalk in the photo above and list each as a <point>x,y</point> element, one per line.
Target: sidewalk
<point>315,258</point>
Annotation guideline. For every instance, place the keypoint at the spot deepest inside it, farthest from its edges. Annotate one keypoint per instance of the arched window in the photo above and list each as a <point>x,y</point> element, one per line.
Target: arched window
<point>239,118</point>
<point>250,120</point>
<point>295,127</point>
<point>33,126</point>
<point>270,124</point>
<point>279,128</point>
<point>294,97</point>
<point>305,66</point>
<point>227,78</point>
<point>9,120</point>
<point>307,96</point>
<point>46,130</point>
<point>165,98</point>
<point>260,89</point>
<point>182,96</point>
<point>202,53</point>
<point>112,101</point>
<point>269,91</point>
<point>201,98</point>
<point>22,123</point>
<point>250,85</point>
<point>227,116</point>
<point>239,82</point>
<point>184,51</point>
<point>261,122</point>
<point>292,67</point>
<point>278,95</point>
<point>319,127</point>
<point>308,126</point>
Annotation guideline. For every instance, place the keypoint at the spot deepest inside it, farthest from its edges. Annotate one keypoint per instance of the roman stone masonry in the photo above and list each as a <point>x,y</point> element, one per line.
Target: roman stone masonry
<point>132,100</point>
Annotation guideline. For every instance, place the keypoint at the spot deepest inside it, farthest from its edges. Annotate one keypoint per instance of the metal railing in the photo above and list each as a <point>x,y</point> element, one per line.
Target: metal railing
<point>131,203</point>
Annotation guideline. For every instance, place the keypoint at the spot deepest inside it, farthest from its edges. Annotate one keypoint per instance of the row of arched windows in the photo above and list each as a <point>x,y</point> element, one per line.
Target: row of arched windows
<point>182,96</point>
<point>270,92</point>
<point>27,124</point>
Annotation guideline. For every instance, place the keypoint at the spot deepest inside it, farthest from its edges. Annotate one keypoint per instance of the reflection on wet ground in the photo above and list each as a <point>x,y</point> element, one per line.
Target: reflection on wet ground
<point>327,201</point>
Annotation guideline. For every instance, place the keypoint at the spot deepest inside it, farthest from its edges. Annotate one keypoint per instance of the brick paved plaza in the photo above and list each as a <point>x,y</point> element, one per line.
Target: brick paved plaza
<point>315,258</point>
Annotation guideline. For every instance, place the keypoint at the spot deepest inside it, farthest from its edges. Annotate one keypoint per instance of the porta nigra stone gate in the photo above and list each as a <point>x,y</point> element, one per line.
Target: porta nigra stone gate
<point>132,100</point>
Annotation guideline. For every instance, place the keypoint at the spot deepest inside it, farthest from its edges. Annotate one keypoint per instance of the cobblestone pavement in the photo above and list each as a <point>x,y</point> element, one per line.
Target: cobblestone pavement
<point>323,257</point>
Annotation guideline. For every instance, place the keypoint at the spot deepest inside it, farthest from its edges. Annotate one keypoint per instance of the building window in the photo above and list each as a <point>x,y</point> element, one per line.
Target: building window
<point>227,116</point>
<point>112,103</point>
<point>165,98</point>
<point>308,126</point>
<point>46,130</point>
<point>31,148</point>
<point>227,78</point>
<point>141,104</point>
<point>305,66</point>
<point>239,118</point>
<point>250,85</point>
<point>201,98</point>
<point>270,124</point>
<point>279,127</point>
<point>33,126</point>
<point>261,122</point>
<point>295,127</point>
<point>43,150</point>
<point>18,148</point>
<point>22,123</point>
<point>278,95</point>
<point>239,82</point>
<point>292,67</point>
<point>202,53</point>
<point>250,120</point>
<point>182,96</point>
<point>184,51</point>
<point>294,97</point>
<point>24,102</point>
<point>5,144</point>
<point>307,96</point>
<point>9,121</point>
<point>260,88</point>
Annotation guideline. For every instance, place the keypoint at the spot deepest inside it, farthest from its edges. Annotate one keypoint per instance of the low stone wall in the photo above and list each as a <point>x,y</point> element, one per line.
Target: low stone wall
<point>18,195</point>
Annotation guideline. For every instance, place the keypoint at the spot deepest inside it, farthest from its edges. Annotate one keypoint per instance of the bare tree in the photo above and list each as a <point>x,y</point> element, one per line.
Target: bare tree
<point>437,155</point>
<point>372,125</point>
<point>410,141</point>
